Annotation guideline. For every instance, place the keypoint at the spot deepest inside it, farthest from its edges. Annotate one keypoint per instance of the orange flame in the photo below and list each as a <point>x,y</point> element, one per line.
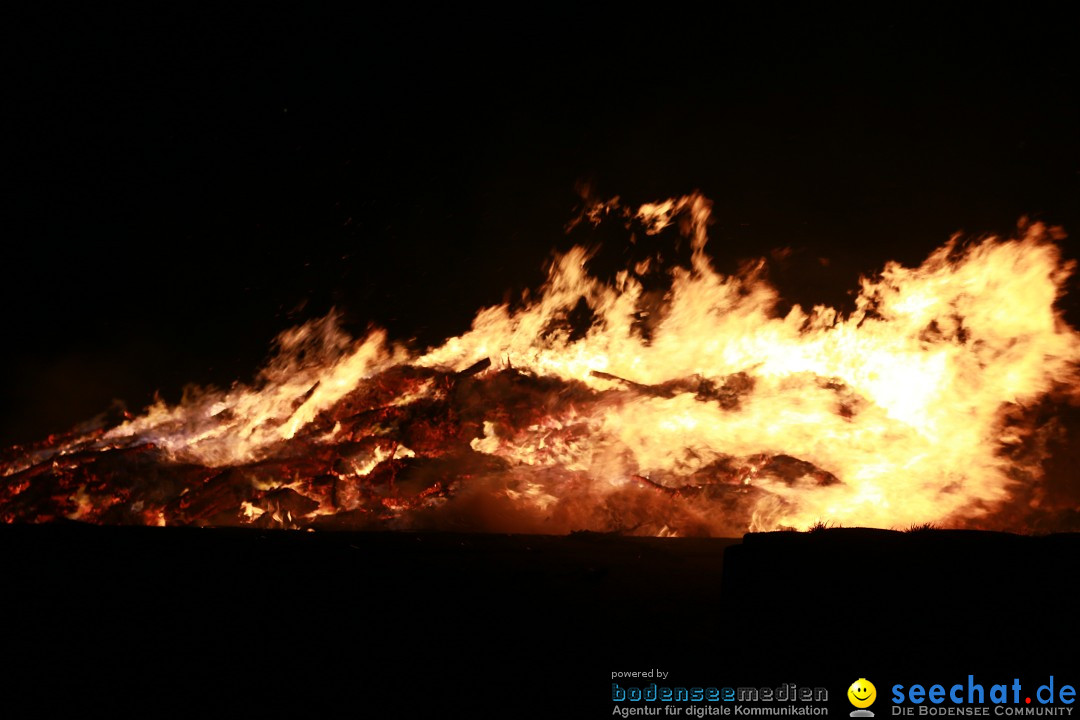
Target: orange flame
<point>703,411</point>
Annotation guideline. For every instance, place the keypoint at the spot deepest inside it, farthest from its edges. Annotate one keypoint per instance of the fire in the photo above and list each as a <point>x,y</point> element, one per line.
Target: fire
<point>696,409</point>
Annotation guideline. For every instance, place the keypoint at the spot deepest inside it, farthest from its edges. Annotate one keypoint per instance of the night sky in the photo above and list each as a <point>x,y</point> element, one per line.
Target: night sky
<point>182,185</point>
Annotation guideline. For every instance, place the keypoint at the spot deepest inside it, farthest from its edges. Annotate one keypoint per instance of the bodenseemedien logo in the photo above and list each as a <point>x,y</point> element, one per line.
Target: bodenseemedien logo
<point>668,700</point>
<point>862,694</point>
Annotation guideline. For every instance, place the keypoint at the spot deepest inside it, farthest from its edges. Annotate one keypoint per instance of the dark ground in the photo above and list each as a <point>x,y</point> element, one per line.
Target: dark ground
<point>236,620</point>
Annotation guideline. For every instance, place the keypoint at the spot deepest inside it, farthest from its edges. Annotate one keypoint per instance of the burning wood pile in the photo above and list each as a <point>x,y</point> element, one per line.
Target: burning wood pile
<point>692,411</point>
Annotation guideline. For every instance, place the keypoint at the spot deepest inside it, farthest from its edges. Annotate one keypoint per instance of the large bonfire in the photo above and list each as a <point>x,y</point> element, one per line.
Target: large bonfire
<point>696,409</point>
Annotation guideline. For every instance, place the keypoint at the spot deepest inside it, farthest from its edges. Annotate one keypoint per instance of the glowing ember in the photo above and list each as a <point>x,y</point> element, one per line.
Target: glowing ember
<point>692,410</point>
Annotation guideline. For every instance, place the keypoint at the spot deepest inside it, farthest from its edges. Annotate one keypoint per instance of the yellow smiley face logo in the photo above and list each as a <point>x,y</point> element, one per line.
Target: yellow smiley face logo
<point>862,693</point>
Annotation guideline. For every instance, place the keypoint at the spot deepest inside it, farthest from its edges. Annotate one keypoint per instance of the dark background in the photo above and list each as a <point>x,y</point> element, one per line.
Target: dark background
<point>182,184</point>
